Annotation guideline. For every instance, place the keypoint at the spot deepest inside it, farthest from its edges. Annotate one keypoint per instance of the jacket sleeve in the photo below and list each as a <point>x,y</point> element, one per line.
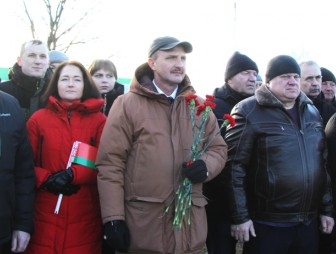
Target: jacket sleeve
<point>330,131</point>
<point>240,140</point>
<point>115,144</point>
<point>86,175</point>
<point>24,183</point>
<point>41,174</point>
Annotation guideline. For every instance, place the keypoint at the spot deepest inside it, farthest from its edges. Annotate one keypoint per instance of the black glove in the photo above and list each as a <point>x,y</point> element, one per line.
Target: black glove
<point>196,171</point>
<point>60,182</point>
<point>117,235</point>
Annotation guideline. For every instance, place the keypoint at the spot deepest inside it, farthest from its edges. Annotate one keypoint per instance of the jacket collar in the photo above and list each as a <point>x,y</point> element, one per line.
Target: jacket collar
<point>227,93</point>
<point>142,84</point>
<point>266,98</point>
<point>88,106</point>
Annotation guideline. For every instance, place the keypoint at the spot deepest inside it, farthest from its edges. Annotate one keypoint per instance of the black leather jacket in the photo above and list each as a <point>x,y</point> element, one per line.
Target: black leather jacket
<point>276,171</point>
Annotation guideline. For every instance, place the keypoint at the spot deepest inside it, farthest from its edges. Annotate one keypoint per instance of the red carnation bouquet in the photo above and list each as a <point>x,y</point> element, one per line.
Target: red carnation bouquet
<point>182,196</point>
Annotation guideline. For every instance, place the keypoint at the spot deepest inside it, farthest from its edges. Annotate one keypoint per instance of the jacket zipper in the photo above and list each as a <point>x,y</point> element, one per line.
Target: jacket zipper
<point>40,154</point>
<point>105,103</point>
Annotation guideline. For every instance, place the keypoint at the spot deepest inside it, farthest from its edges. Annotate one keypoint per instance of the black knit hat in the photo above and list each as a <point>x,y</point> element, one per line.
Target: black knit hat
<point>327,75</point>
<point>167,43</point>
<point>279,65</point>
<point>238,63</point>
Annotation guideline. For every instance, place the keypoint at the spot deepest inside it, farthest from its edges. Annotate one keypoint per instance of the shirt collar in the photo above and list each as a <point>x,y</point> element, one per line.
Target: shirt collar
<point>173,94</point>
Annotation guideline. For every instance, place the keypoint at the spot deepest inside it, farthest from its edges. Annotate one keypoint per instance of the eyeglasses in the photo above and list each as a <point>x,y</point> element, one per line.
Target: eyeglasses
<point>310,79</point>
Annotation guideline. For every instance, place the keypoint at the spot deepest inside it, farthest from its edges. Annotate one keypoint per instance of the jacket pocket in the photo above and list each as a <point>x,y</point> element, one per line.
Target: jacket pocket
<point>145,215</point>
<point>197,231</point>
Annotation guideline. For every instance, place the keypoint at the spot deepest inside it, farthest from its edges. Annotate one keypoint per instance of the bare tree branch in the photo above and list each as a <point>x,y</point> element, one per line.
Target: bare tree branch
<point>53,19</point>
<point>32,26</point>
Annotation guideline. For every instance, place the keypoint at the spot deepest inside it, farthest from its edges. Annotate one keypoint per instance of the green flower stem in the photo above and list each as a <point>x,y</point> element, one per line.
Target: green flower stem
<point>182,198</point>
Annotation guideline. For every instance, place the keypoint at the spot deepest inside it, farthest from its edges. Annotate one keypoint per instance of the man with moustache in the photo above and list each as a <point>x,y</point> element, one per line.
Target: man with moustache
<point>141,158</point>
<point>310,84</point>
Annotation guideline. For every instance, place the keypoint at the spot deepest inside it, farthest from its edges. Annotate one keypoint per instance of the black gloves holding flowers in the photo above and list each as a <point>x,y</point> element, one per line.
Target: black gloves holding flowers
<point>196,171</point>
<point>61,182</point>
<point>117,235</point>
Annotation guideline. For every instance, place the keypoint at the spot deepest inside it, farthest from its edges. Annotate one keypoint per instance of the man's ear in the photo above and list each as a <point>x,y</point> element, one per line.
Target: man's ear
<point>18,60</point>
<point>151,63</point>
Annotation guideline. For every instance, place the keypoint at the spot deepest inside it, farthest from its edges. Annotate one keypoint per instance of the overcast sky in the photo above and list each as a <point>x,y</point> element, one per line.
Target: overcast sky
<point>124,30</point>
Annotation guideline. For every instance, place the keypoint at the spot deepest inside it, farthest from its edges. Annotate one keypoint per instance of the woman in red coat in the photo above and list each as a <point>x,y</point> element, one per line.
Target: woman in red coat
<point>71,113</point>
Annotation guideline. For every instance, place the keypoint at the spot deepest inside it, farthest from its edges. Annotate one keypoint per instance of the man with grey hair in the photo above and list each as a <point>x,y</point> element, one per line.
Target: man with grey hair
<point>310,84</point>
<point>28,76</point>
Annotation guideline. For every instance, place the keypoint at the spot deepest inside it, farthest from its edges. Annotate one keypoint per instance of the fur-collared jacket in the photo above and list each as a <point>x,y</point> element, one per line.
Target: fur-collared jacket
<point>276,170</point>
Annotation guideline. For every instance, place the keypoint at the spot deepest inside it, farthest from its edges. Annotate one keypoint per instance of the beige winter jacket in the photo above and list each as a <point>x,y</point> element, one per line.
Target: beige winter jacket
<point>143,145</point>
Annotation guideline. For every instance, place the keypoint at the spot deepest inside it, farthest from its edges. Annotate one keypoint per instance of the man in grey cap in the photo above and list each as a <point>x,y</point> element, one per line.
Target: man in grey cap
<point>141,158</point>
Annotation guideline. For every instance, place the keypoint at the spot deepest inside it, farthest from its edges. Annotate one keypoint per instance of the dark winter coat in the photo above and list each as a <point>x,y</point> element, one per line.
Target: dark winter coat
<point>27,90</point>
<point>326,109</point>
<point>17,177</point>
<point>217,208</point>
<point>330,131</point>
<point>276,171</point>
<point>109,97</point>
<point>77,228</point>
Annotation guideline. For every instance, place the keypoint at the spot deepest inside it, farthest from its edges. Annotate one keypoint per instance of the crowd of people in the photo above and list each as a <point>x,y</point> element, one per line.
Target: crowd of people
<point>267,180</point>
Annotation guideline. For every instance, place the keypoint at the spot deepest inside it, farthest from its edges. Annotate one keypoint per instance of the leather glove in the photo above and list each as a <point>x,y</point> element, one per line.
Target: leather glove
<point>117,235</point>
<point>60,182</point>
<point>196,172</point>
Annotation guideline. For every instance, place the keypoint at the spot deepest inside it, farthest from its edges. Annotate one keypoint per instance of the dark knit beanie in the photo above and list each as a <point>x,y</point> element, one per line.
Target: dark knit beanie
<point>279,65</point>
<point>327,75</point>
<point>238,63</point>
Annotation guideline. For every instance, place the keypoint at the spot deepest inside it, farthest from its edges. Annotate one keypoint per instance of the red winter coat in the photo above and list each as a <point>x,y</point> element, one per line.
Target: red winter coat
<point>77,228</point>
